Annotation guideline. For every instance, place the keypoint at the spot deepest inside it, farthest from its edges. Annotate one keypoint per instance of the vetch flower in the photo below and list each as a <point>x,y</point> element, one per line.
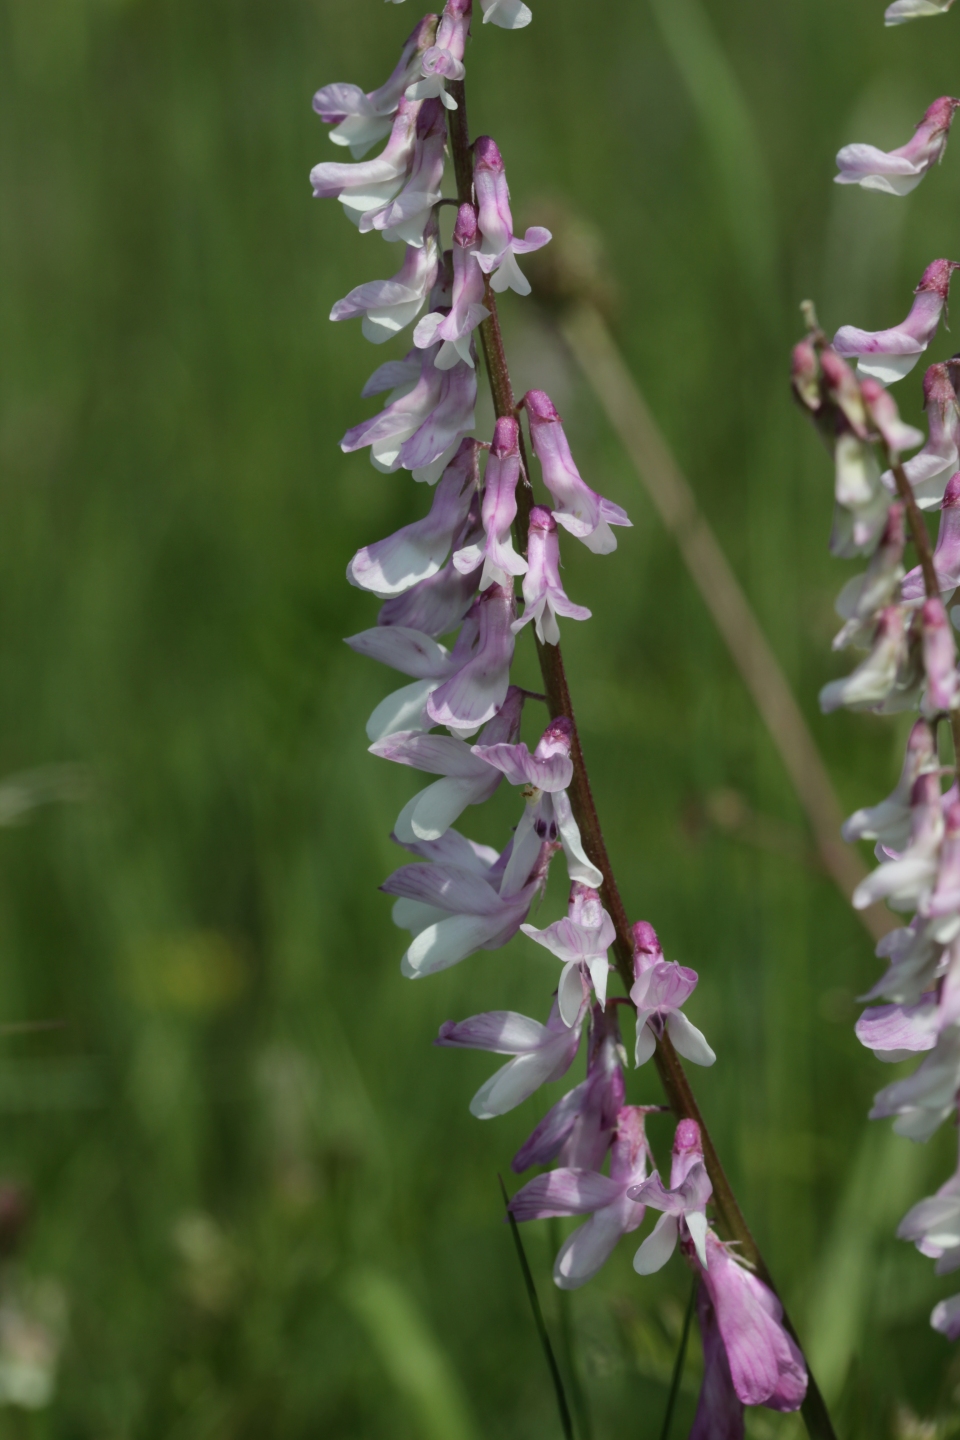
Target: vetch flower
<point>874,678</point>
<point>579,509</point>
<point>407,215</point>
<point>437,605</point>
<point>864,596</point>
<point>423,421</point>
<point>541,1053</point>
<point>903,881</point>
<point>659,989</point>
<point>897,172</point>
<point>579,1128</point>
<point>363,119</point>
<point>581,941</point>
<point>498,511</point>
<point>467,310</point>
<point>454,910</point>
<point>719,1408</point>
<point>882,412</point>
<point>944,899</point>
<point>683,1205</point>
<point>499,246</point>
<point>545,776</point>
<point>444,59</point>
<point>766,1365</point>
<point>895,1032</point>
<point>544,597</point>
<point>417,551</point>
<point>939,659</point>
<point>412,653</point>
<point>363,188</point>
<point>921,1103</point>
<point>934,1226</point>
<point>917,958</point>
<point>889,355</point>
<point>946,557</point>
<point>902,10</point>
<point>387,306</point>
<point>480,661</point>
<point>508,14</point>
<point>929,470</point>
<point>466,780</point>
<point>604,1198</point>
<point>890,821</point>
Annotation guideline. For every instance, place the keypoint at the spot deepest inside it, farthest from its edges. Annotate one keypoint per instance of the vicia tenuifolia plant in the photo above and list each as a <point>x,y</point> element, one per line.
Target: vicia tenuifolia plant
<point>449,620</point>
<point>900,619</point>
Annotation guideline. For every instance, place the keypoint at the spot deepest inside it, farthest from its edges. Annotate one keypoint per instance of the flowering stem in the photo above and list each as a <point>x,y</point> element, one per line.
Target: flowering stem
<point>672,1075</point>
<point>921,543</point>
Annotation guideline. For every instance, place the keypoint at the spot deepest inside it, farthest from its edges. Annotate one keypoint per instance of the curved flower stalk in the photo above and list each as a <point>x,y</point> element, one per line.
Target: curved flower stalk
<point>447,621</point>
<point>912,662</point>
<point>897,172</point>
<point>889,355</point>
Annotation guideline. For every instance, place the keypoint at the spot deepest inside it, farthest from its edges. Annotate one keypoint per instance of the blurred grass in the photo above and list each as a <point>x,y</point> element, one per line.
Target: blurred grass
<point>242,1110</point>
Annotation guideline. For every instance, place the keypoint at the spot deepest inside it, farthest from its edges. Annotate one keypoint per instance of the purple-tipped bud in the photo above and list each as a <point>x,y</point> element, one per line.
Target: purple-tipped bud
<point>939,658</point>
<point>465,230</point>
<point>579,509</point>
<point>646,947</point>
<point>544,597</point>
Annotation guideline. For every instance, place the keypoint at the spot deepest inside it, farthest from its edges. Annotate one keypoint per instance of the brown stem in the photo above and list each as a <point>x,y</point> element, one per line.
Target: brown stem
<point>730,1218</point>
<point>921,543</point>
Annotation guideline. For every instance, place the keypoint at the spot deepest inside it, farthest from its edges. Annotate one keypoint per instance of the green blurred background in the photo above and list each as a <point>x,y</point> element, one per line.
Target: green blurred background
<point>260,1206</point>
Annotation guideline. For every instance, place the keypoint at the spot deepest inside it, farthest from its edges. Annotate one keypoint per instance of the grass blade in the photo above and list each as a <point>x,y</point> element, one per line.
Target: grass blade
<point>678,1364</point>
<point>578,1399</point>
<point>554,1369</point>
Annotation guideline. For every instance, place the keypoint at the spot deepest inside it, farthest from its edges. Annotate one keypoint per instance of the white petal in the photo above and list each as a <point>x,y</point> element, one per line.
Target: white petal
<point>688,1041</point>
<point>405,709</point>
<point>658,1246</point>
<point>447,943</point>
<point>696,1223</point>
<point>570,993</point>
<point>589,1247</point>
<point>646,1042</point>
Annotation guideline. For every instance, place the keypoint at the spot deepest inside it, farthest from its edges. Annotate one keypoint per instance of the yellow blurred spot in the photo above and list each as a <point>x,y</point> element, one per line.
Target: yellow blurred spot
<point>198,973</point>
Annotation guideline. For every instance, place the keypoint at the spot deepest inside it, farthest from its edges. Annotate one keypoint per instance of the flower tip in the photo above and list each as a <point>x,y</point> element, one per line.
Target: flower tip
<point>539,406</point>
<point>936,277</point>
<point>465,230</point>
<point>951,495</point>
<point>541,518</point>
<point>687,1138</point>
<point>486,154</point>
<point>505,436</point>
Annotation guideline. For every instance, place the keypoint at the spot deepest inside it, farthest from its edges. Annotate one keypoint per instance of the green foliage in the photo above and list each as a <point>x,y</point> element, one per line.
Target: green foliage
<point>255,1181</point>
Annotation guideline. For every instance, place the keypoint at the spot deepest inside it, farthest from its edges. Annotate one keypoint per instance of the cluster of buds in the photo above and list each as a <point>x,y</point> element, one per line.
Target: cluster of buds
<point>448,622</point>
<point>900,619</point>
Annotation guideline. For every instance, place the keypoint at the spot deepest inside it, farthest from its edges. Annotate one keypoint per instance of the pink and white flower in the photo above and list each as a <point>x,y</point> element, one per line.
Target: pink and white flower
<point>946,557</point>
<point>939,659</point>
<point>541,1053</point>
<point>905,880</point>
<point>480,662</point>
<point>387,306</point>
<point>719,1408</point>
<point>544,597</point>
<point>890,821</point>
<point>929,470</point>
<point>579,509</point>
<point>365,187</point>
<point>466,780</point>
<point>934,1226</point>
<point>407,215</point>
<point>896,1032</point>
<point>454,909</point>
<point>889,355</point>
<point>412,653</point>
<point>579,1128</point>
<point>498,511</point>
<point>580,941</point>
<point>417,551</point>
<point>921,1103</point>
<point>570,1191</point>
<point>455,327</point>
<point>684,1205</point>
<point>548,815</point>
<point>897,172</point>
<point>444,59</point>
<point>438,604</point>
<point>499,246</point>
<point>873,681</point>
<point>363,119</point>
<point>659,989</point>
<point>424,419</point>
<point>864,596</point>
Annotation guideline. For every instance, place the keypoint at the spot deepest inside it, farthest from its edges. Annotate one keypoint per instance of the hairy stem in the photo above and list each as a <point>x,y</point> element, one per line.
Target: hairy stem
<point>731,1222</point>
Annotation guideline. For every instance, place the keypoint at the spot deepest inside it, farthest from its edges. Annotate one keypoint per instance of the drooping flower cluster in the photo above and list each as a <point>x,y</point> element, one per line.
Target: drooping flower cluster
<point>899,621</point>
<point>448,621</point>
